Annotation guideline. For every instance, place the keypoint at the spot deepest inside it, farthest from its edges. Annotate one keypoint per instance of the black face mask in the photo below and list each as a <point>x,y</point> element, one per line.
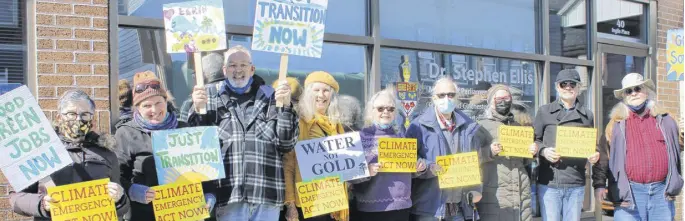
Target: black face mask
<point>503,107</point>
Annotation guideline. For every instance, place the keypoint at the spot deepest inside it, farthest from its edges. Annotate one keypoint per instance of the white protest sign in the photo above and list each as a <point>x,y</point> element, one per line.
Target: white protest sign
<point>339,155</point>
<point>293,27</point>
<point>31,147</point>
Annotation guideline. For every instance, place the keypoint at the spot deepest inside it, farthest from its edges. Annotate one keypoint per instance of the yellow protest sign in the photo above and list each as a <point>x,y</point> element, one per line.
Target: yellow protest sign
<point>397,155</point>
<point>577,142</point>
<point>515,141</point>
<point>82,201</point>
<point>322,196</point>
<point>179,202</point>
<point>459,170</point>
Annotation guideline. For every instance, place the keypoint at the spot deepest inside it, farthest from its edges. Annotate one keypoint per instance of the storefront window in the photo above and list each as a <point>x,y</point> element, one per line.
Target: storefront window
<point>342,17</point>
<point>474,75</point>
<point>144,49</point>
<point>568,29</point>
<point>585,78</point>
<point>621,20</point>
<point>492,24</point>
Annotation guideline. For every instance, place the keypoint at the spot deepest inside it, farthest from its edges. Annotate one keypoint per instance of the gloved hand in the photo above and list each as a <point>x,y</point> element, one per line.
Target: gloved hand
<point>141,193</point>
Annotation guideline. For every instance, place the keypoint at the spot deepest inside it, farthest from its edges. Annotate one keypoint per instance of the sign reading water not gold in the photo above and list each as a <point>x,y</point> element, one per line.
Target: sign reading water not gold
<point>459,170</point>
<point>576,141</point>
<point>180,202</point>
<point>397,155</point>
<point>82,201</point>
<point>322,196</point>
<point>515,141</point>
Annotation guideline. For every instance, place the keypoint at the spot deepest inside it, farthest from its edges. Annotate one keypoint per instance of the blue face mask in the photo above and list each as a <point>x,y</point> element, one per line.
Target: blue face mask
<point>638,108</point>
<point>239,90</point>
<point>444,105</point>
<point>382,126</point>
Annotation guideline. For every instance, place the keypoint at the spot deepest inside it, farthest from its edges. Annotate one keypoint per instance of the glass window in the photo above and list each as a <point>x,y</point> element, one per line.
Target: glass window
<point>343,17</point>
<point>144,49</point>
<point>567,28</point>
<point>12,42</point>
<point>492,24</point>
<point>474,75</point>
<point>585,80</point>
<point>621,20</point>
<point>614,68</point>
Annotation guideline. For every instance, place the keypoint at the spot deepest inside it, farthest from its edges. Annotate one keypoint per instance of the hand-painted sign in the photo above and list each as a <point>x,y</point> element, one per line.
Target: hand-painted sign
<point>187,155</point>
<point>674,54</point>
<point>293,27</point>
<point>180,202</point>
<point>340,155</point>
<point>33,150</point>
<point>194,26</point>
<point>459,170</point>
<point>322,196</point>
<point>82,201</point>
<point>576,142</point>
<point>515,141</point>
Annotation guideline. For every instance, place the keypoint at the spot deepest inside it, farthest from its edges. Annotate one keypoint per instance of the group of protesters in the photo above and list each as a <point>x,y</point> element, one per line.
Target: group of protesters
<point>636,165</point>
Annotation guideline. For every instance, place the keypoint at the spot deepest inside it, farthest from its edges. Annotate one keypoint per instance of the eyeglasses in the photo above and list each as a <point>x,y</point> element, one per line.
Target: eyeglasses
<point>500,99</point>
<point>242,66</point>
<point>629,91</point>
<point>383,109</point>
<point>565,84</point>
<point>140,88</point>
<point>87,116</point>
<point>450,95</point>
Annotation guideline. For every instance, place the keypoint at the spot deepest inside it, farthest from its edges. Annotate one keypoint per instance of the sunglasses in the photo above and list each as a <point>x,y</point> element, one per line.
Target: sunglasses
<point>449,95</point>
<point>565,84</point>
<point>500,99</point>
<point>383,109</point>
<point>140,88</point>
<point>629,91</point>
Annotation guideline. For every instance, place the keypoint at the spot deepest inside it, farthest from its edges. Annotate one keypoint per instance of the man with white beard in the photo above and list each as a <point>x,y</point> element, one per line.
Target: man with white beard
<point>561,181</point>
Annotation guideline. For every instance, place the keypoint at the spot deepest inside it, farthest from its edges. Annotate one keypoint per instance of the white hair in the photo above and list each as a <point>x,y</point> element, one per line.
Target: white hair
<point>307,105</point>
<point>388,92</point>
<point>236,49</point>
<point>72,96</point>
<point>212,65</point>
<point>351,115</point>
<point>446,79</point>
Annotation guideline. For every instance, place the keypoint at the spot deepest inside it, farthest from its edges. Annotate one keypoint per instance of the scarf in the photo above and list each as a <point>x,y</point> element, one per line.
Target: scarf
<point>501,118</point>
<point>239,90</point>
<point>170,122</point>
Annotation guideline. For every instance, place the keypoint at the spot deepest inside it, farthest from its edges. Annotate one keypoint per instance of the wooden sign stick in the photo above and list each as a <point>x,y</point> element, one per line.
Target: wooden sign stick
<point>282,74</point>
<point>199,78</point>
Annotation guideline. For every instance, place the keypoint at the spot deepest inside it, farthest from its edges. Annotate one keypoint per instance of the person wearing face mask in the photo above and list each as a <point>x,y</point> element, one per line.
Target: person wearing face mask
<point>319,110</point>
<point>643,162</point>
<point>383,196</point>
<point>444,130</point>
<point>562,181</point>
<point>92,153</point>
<point>254,134</point>
<point>506,183</point>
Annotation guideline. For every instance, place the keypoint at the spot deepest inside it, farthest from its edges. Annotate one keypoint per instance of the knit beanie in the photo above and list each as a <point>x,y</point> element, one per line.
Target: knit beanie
<point>144,78</point>
<point>494,89</point>
<point>125,93</point>
<point>322,77</point>
<point>295,87</point>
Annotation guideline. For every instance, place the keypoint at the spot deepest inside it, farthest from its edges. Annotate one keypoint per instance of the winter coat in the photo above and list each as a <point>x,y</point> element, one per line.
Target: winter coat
<point>94,155</point>
<point>506,182</point>
<point>611,165</point>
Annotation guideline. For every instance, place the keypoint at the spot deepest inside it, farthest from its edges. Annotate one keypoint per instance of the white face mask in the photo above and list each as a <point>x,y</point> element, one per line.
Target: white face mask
<point>444,105</point>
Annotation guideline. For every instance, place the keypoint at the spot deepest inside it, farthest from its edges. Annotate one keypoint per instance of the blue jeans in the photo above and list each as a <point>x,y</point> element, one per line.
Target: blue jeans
<point>559,204</point>
<point>650,203</point>
<point>247,212</point>
<point>433,218</point>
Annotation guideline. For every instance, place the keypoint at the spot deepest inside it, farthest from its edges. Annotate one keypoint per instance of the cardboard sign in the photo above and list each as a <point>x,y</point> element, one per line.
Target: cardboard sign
<point>576,142</point>
<point>294,27</point>
<point>179,202</point>
<point>30,145</point>
<point>322,196</point>
<point>397,155</point>
<point>82,201</point>
<point>189,155</point>
<point>341,155</point>
<point>458,170</point>
<point>4,88</point>
<point>515,141</point>
<point>194,26</point>
<point>674,55</point>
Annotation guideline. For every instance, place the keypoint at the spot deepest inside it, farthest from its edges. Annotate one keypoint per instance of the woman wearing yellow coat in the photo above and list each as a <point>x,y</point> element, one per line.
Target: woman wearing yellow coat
<point>319,112</point>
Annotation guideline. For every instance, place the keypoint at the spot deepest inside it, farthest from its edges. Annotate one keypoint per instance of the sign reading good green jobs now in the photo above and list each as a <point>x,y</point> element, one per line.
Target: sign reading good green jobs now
<point>31,147</point>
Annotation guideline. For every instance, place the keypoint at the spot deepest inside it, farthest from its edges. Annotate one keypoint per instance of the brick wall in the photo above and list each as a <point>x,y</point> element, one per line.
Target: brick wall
<point>72,52</point>
<point>670,16</point>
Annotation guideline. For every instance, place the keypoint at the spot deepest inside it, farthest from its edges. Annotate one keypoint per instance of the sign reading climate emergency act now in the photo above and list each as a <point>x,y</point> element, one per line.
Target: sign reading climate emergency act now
<point>576,142</point>
<point>82,201</point>
<point>515,141</point>
<point>459,170</point>
<point>322,196</point>
<point>397,155</point>
<point>179,202</point>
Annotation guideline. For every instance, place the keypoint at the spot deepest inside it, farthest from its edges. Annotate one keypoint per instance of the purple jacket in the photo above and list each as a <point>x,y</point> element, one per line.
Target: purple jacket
<point>385,191</point>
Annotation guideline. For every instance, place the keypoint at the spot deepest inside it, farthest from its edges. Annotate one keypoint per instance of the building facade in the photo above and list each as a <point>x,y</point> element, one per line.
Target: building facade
<point>56,45</point>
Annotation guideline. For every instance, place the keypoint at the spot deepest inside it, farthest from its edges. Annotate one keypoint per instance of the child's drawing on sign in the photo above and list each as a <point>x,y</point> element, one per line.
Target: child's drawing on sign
<point>195,26</point>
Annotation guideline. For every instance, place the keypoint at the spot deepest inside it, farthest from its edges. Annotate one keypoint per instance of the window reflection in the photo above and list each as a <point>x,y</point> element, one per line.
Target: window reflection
<point>621,20</point>
<point>567,28</point>
<point>585,80</point>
